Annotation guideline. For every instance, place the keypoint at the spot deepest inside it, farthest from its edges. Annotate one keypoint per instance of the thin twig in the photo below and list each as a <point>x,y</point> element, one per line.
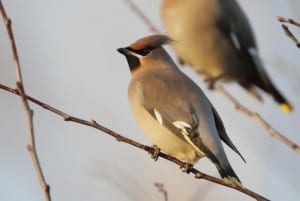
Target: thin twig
<point>226,94</point>
<point>151,150</point>
<point>160,187</point>
<point>141,15</point>
<point>290,35</point>
<point>29,113</point>
<point>256,117</point>
<point>288,20</point>
<point>287,31</point>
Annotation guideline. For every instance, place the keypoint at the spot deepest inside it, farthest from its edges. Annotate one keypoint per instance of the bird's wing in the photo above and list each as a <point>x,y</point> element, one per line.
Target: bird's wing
<point>234,25</point>
<point>222,133</point>
<point>162,100</point>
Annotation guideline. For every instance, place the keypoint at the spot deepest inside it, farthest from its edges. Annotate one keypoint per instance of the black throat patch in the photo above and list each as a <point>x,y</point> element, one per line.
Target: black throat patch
<point>133,62</point>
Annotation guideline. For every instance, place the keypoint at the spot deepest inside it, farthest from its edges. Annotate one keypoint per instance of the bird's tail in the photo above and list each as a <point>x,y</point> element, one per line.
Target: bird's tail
<point>263,81</point>
<point>228,174</point>
<point>284,105</point>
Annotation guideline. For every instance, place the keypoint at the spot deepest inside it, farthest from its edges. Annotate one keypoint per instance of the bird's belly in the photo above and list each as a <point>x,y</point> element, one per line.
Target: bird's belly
<point>168,142</point>
<point>208,54</point>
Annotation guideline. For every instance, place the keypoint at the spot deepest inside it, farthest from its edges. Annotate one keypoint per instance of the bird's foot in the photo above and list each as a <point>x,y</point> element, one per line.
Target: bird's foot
<point>180,61</point>
<point>211,81</point>
<point>187,167</point>
<point>156,152</point>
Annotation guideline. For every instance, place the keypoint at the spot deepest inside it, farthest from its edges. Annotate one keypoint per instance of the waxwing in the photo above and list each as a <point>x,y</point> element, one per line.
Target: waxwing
<point>215,38</point>
<point>171,109</point>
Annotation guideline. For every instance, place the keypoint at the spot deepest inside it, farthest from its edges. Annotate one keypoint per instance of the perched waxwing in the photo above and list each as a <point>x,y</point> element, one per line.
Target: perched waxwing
<point>171,109</point>
<point>215,38</point>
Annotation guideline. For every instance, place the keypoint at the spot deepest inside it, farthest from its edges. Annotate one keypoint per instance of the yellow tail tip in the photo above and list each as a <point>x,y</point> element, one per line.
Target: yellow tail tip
<point>285,107</point>
<point>232,181</point>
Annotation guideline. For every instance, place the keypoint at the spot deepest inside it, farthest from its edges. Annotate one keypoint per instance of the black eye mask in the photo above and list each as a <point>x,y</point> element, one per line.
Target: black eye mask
<point>142,52</point>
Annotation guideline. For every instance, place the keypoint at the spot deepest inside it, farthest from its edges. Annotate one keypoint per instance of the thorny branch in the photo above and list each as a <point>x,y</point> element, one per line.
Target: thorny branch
<point>29,113</point>
<point>287,31</point>
<point>150,150</point>
<point>253,115</point>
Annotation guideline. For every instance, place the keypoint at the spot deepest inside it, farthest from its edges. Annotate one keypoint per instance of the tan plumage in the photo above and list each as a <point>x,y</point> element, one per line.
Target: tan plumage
<point>171,109</point>
<point>215,38</point>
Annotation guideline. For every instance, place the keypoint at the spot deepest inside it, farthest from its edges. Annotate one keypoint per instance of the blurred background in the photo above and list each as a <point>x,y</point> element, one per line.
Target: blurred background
<point>67,50</point>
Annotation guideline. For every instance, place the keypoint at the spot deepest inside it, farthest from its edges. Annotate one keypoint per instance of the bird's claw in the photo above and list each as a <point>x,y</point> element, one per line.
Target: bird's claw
<point>156,152</point>
<point>187,167</point>
<point>180,61</point>
<point>210,82</point>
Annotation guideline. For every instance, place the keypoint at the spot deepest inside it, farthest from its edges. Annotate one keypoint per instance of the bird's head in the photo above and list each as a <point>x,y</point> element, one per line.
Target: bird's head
<point>147,51</point>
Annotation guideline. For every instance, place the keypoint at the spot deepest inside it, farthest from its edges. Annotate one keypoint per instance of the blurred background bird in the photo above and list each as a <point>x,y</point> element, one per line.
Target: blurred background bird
<point>215,38</point>
<point>172,110</point>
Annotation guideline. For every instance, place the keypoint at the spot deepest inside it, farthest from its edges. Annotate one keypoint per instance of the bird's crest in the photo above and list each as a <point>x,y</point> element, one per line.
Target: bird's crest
<point>151,41</point>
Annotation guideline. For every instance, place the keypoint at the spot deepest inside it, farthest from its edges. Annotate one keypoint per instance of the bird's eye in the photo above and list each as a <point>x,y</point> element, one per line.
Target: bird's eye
<point>142,52</point>
<point>146,51</point>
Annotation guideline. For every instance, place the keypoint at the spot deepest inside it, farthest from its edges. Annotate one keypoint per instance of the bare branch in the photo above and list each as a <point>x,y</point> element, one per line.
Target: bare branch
<point>290,35</point>
<point>226,94</point>
<point>198,174</point>
<point>256,117</point>
<point>29,113</point>
<point>141,15</point>
<point>288,20</point>
<point>287,31</point>
<point>160,187</point>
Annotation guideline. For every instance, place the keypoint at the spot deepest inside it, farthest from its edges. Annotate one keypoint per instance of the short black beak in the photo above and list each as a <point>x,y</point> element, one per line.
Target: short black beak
<point>132,60</point>
<point>123,51</point>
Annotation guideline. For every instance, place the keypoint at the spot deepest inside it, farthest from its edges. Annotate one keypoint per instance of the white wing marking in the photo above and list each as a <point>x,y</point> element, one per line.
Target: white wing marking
<point>181,125</point>
<point>235,40</point>
<point>253,51</point>
<point>188,139</point>
<point>259,66</point>
<point>158,116</point>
